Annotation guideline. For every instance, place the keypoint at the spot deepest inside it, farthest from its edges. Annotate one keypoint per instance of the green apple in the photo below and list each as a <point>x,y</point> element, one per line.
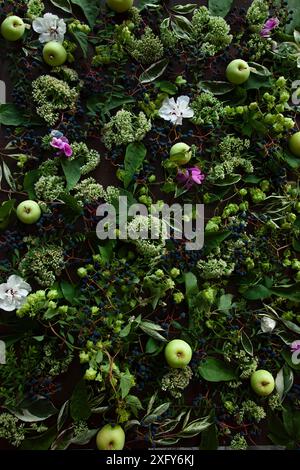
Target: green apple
<point>294,144</point>
<point>178,353</point>
<point>110,437</point>
<point>180,153</point>
<point>262,382</point>
<point>54,53</point>
<point>28,212</point>
<point>237,71</point>
<point>12,28</point>
<point>120,6</point>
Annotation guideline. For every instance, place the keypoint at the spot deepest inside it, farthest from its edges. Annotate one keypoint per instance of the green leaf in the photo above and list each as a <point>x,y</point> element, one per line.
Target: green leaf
<point>257,292</point>
<point>225,302</point>
<point>30,411</point>
<point>134,157</point>
<point>247,344</point>
<point>72,203</point>
<point>6,209</point>
<point>184,9</point>
<point>62,415</point>
<point>153,346</point>
<point>30,179</point>
<point>209,438</point>
<point>167,87</point>
<point>215,370</point>
<point>95,103</point>
<point>68,291</point>
<point>291,160</point>
<point>41,442</point>
<point>84,437</point>
<point>194,428</point>
<point>213,239</point>
<point>181,27</point>
<point>291,421</point>
<point>191,284</point>
<point>125,331</point>
<point>255,82</point>
<point>83,41</point>
<point>63,5</point>
<point>220,7</point>
<point>8,176</point>
<point>79,405</point>
<point>216,87</point>
<point>278,433</point>
<point>259,69</point>
<point>154,71</point>
<point>126,383</point>
<point>134,403</point>
<point>90,9</point>
<point>284,381</point>
<point>71,169</point>
<point>288,292</point>
<point>252,179</point>
<point>230,179</point>
<point>10,115</point>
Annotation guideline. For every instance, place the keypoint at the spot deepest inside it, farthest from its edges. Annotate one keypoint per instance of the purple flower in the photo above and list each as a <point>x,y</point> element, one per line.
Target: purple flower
<point>269,25</point>
<point>295,346</point>
<point>60,142</point>
<point>190,176</point>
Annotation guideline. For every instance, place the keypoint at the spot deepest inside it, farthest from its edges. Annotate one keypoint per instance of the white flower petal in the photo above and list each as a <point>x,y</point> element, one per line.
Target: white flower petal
<point>38,25</point>
<point>188,113</point>
<point>183,101</point>
<point>267,324</point>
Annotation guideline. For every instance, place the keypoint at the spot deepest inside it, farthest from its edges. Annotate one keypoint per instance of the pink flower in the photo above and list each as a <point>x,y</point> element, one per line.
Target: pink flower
<point>190,176</point>
<point>62,144</point>
<point>295,346</point>
<point>269,25</point>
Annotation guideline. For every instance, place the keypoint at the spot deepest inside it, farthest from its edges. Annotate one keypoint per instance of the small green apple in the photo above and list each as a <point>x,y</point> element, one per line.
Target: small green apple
<point>12,28</point>
<point>180,153</point>
<point>54,53</point>
<point>178,353</point>
<point>237,72</point>
<point>28,212</point>
<point>120,6</point>
<point>110,437</point>
<point>262,382</point>
<point>294,144</point>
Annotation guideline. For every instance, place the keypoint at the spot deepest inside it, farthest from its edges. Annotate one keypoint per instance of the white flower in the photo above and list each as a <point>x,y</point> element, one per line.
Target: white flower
<point>267,324</point>
<point>176,111</point>
<point>50,28</point>
<point>13,293</point>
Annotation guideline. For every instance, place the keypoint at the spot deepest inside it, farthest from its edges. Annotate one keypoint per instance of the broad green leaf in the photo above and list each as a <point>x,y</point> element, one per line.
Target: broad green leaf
<point>84,437</point>
<point>40,442</point>
<point>10,115</point>
<point>220,7</point>
<point>82,40</point>
<point>230,179</point>
<point>191,284</point>
<point>216,87</point>
<point>71,169</point>
<point>215,370</point>
<point>247,344</point>
<point>33,411</point>
<point>259,69</point>
<point>213,239</point>
<point>154,71</point>
<point>126,383</point>
<point>8,176</point>
<point>284,381</point>
<point>167,87</point>
<point>30,179</point>
<point>184,9</point>
<point>79,405</point>
<point>90,9</point>
<point>134,157</point>
<point>64,5</point>
<point>68,291</point>
<point>225,302</point>
<point>194,428</point>
<point>209,438</point>
<point>257,292</point>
